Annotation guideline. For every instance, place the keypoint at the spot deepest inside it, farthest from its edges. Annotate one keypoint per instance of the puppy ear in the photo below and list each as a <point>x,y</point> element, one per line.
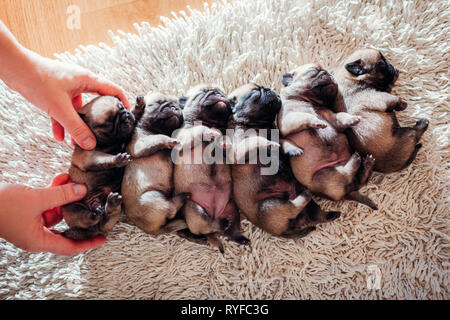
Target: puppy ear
<point>182,101</point>
<point>287,79</point>
<point>233,101</point>
<point>356,68</point>
<point>139,107</point>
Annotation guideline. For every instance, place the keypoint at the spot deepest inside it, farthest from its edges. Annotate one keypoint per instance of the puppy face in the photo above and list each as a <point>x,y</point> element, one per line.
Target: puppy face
<point>255,105</point>
<point>311,83</point>
<point>371,67</point>
<point>159,113</point>
<point>108,119</point>
<point>209,104</point>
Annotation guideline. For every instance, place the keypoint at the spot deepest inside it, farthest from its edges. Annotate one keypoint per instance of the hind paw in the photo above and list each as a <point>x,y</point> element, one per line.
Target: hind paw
<point>333,215</point>
<point>400,106</point>
<point>114,199</point>
<point>422,124</point>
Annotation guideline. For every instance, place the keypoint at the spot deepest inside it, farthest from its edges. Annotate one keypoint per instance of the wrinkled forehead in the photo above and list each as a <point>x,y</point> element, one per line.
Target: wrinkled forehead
<point>203,87</point>
<point>243,91</point>
<point>101,108</point>
<point>305,68</point>
<point>159,98</point>
<point>368,55</point>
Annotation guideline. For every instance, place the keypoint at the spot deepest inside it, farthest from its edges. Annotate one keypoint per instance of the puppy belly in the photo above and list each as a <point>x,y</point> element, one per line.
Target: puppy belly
<point>280,189</point>
<point>318,154</point>
<point>212,198</point>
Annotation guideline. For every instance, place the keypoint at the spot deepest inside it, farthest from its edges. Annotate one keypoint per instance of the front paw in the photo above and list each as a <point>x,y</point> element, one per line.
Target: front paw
<point>318,124</point>
<point>122,159</point>
<point>351,121</point>
<point>172,143</point>
<point>114,199</point>
<point>401,105</point>
<point>292,151</point>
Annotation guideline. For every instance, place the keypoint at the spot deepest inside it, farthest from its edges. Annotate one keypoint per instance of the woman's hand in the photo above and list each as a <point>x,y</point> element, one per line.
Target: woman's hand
<point>56,88</point>
<point>24,223</point>
<point>53,86</point>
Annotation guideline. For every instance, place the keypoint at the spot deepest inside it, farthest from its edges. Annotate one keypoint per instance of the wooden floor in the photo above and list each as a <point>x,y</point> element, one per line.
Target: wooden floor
<point>50,26</point>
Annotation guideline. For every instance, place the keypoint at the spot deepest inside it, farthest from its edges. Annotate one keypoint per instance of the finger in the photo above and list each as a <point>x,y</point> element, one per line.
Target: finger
<point>58,130</point>
<point>52,197</point>
<point>80,132</point>
<point>60,179</point>
<point>77,102</point>
<point>105,88</point>
<point>52,217</point>
<point>59,244</point>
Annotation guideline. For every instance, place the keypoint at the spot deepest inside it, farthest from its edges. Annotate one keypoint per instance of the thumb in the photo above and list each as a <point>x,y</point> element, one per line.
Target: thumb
<point>71,121</point>
<point>52,197</point>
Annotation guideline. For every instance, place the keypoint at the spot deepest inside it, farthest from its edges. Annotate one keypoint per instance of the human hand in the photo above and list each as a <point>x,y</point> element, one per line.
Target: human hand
<point>53,86</point>
<point>24,223</point>
<point>56,88</point>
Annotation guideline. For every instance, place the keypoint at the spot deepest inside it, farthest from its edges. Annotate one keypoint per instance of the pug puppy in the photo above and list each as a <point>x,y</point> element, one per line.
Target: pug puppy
<point>276,203</point>
<point>101,169</point>
<point>365,80</point>
<point>210,208</point>
<point>321,158</point>
<point>148,180</point>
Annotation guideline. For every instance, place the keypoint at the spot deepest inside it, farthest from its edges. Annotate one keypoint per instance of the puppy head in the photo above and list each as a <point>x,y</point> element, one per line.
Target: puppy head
<point>207,103</point>
<point>371,67</point>
<point>108,119</point>
<point>158,113</point>
<point>311,83</point>
<point>255,105</point>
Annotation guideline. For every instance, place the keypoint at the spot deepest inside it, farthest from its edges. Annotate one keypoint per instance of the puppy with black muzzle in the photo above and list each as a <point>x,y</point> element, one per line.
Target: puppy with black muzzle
<point>365,79</point>
<point>210,208</point>
<point>321,158</point>
<point>275,202</point>
<point>148,180</point>
<point>101,169</point>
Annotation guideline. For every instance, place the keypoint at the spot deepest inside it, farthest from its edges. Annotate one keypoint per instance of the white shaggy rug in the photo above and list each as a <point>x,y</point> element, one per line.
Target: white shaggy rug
<point>397,252</point>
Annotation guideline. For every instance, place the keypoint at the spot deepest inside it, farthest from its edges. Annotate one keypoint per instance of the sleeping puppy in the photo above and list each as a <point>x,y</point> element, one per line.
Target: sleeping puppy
<point>321,159</point>
<point>101,169</point>
<point>210,209</point>
<point>365,79</point>
<point>148,180</point>
<point>276,203</point>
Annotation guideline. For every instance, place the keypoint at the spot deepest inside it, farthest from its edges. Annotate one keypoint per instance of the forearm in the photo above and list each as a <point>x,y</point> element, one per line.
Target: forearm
<point>15,60</point>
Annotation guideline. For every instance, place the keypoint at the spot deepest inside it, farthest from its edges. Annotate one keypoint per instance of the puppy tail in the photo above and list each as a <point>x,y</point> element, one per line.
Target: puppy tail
<point>358,197</point>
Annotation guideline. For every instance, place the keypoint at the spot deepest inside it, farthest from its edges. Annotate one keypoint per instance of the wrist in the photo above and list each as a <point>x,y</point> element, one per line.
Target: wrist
<point>19,68</point>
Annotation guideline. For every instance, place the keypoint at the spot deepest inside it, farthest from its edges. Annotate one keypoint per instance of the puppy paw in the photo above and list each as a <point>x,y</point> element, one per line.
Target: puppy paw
<point>97,213</point>
<point>369,161</point>
<point>122,159</point>
<point>422,124</point>
<point>292,151</point>
<point>318,124</point>
<point>352,121</point>
<point>172,143</point>
<point>241,240</point>
<point>333,215</point>
<point>401,105</point>
<point>114,199</point>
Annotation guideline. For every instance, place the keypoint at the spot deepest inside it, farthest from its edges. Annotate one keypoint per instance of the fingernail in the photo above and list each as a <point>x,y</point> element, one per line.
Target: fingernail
<point>89,143</point>
<point>79,189</point>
